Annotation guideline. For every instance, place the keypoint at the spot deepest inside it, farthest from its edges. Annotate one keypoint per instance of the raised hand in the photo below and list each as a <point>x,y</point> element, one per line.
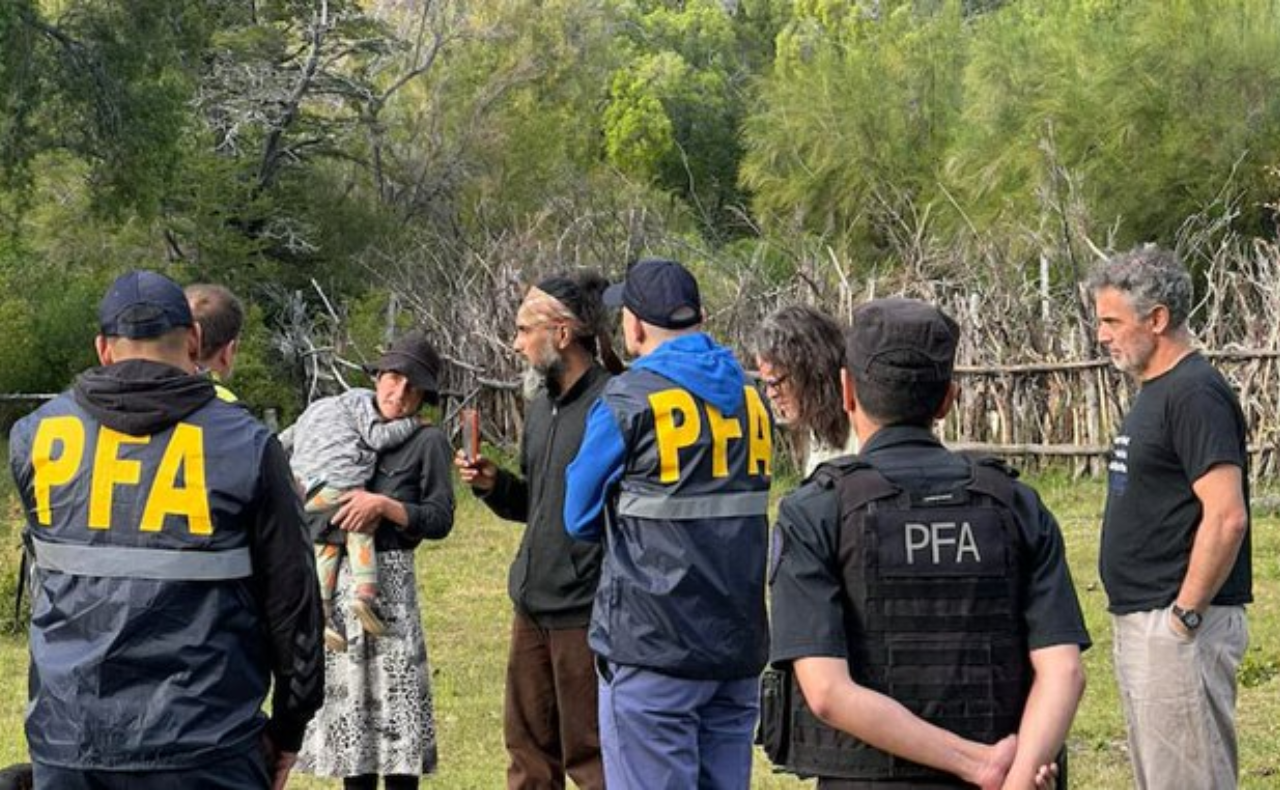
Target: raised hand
<point>480,473</point>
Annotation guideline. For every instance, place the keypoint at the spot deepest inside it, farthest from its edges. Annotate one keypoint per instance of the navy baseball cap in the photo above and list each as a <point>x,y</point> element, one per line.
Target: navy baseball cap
<point>142,304</point>
<point>658,292</point>
<point>902,340</point>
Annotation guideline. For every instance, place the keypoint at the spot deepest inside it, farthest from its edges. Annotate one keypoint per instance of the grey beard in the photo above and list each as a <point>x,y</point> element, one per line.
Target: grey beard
<point>532,383</point>
<point>536,381</point>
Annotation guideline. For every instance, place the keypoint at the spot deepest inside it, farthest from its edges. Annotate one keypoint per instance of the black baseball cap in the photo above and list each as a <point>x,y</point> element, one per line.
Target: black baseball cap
<point>141,304</point>
<point>902,340</point>
<point>413,356</point>
<point>659,292</point>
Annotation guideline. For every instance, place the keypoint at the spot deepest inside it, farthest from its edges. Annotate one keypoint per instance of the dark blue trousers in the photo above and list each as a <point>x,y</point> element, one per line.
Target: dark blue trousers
<point>661,732</point>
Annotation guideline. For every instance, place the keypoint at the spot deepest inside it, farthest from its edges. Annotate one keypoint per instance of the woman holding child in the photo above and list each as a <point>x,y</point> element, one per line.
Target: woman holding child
<point>377,718</point>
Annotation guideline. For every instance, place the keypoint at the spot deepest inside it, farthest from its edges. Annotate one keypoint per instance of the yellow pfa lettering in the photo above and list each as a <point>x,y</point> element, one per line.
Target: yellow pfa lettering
<point>65,435</point>
<point>722,430</point>
<point>109,471</point>
<point>183,461</point>
<point>759,436</point>
<point>673,434</point>
<point>677,420</point>
<point>58,454</point>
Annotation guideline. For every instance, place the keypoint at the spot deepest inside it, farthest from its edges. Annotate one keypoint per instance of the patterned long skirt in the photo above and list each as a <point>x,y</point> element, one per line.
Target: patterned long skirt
<point>377,716</point>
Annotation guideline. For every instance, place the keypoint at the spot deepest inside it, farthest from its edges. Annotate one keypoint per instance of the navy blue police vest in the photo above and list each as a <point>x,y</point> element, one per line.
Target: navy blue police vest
<point>932,592</point>
<point>682,586</point>
<point>146,643</point>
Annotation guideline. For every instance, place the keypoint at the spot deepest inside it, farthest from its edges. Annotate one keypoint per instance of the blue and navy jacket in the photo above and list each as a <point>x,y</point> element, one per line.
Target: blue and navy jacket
<point>171,576</point>
<point>676,462</point>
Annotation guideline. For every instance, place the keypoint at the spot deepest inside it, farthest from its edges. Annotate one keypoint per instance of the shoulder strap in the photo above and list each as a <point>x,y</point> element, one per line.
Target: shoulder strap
<point>858,481</point>
<point>995,478</point>
<point>833,469</point>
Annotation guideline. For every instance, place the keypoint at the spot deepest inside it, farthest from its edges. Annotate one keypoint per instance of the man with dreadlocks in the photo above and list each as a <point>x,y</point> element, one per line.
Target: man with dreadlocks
<point>549,714</point>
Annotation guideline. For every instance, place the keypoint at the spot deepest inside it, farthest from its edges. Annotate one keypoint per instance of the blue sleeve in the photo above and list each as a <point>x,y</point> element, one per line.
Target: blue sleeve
<point>592,474</point>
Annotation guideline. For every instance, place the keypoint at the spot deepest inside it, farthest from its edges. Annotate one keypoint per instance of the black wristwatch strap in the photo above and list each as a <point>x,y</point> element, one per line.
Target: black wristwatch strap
<point>1191,619</point>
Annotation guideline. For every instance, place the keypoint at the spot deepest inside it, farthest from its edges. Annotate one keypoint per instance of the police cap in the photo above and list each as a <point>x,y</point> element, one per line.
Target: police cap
<point>142,304</point>
<point>659,292</point>
<point>902,340</point>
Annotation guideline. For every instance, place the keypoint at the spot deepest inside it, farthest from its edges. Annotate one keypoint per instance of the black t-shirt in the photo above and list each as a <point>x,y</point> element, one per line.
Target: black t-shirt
<point>1181,425</point>
<point>805,580</point>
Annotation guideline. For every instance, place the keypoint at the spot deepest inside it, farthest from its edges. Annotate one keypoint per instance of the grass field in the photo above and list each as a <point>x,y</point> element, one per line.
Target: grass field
<point>463,585</point>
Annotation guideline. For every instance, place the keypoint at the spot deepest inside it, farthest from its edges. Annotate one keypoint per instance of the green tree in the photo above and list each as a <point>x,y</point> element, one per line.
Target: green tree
<point>114,85</point>
<point>676,103</point>
<point>852,125</point>
<point>1153,106</point>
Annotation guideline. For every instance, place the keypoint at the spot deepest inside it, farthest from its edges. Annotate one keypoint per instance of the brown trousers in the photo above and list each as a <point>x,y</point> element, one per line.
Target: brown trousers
<point>550,715</point>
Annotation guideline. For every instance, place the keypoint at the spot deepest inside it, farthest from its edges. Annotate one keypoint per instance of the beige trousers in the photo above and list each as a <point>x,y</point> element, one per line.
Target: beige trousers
<point>1179,697</point>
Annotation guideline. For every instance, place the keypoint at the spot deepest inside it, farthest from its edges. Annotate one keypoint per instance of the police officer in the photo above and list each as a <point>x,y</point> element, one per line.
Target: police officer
<point>220,316</point>
<point>172,575</point>
<point>676,461</point>
<point>922,601</point>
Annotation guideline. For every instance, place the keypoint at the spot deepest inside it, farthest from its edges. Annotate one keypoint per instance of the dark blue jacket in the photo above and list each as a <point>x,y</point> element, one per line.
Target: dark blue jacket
<point>676,460</point>
<point>172,576</point>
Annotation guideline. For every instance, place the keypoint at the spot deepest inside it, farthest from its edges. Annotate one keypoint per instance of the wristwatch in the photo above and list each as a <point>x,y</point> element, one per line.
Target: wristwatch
<point>1190,618</point>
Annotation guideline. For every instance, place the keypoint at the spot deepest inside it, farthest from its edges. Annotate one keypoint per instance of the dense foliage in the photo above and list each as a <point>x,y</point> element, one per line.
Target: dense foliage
<point>355,166</point>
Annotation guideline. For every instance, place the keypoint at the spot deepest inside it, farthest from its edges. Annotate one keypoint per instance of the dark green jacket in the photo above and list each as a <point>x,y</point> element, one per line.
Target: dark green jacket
<point>553,578</point>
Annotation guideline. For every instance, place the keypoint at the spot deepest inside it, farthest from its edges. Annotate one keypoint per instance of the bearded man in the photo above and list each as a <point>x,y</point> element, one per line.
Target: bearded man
<point>549,713</point>
<point>1176,556</point>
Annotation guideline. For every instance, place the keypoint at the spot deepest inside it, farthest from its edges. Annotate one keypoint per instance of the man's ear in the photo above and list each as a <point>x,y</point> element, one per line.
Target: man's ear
<point>1159,319</point>
<point>948,400</point>
<point>102,345</point>
<point>227,354</point>
<point>847,390</point>
<point>633,328</point>
<point>564,337</point>
<point>193,345</point>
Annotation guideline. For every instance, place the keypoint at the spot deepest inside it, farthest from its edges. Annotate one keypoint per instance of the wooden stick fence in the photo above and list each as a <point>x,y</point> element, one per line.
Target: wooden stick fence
<point>1069,410</point>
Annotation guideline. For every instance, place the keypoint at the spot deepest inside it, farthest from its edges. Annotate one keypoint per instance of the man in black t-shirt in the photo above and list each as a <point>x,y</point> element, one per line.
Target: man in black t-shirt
<point>1175,557</point>
<point>922,600</point>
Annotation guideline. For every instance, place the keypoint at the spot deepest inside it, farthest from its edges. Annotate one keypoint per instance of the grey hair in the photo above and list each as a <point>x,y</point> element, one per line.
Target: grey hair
<point>1149,276</point>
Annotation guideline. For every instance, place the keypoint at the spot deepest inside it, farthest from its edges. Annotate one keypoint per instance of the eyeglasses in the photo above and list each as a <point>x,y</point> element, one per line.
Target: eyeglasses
<point>775,384</point>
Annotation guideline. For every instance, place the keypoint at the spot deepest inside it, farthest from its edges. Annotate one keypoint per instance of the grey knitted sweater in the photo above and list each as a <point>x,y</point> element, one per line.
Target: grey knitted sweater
<point>336,441</point>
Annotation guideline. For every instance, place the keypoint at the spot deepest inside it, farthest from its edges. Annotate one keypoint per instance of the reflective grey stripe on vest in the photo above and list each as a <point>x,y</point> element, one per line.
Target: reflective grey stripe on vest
<point>686,508</point>
<point>130,563</point>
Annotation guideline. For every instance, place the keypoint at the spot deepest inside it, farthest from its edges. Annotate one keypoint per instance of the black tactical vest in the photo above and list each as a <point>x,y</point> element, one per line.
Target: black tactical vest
<point>933,612</point>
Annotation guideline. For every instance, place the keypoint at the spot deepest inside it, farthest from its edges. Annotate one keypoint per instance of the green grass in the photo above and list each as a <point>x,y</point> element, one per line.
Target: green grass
<point>463,589</point>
